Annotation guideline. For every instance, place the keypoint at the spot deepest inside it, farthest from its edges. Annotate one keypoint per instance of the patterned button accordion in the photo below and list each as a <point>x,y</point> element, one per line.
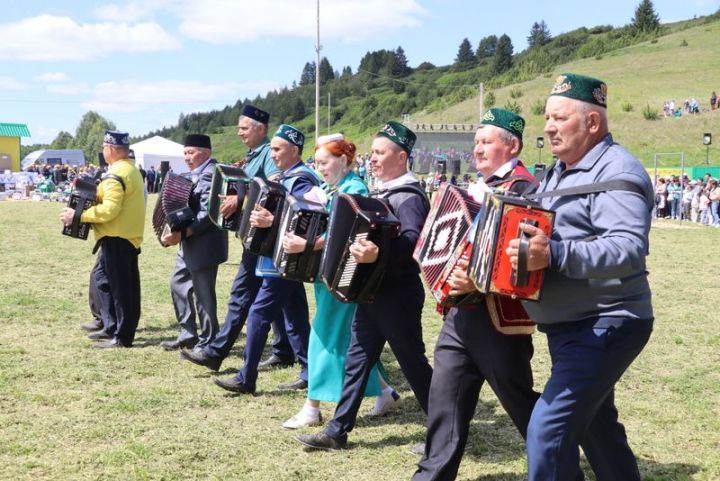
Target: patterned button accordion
<point>307,220</point>
<point>354,217</point>
<point>83,196</point>
<point>172,212</point>
<point>271,196</point>
<point>443,241</point>
<point>227,180</point>
<point>498,224</point>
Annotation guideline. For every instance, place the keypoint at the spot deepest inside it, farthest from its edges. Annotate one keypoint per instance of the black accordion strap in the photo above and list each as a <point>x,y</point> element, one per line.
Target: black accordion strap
<point>115,177</point>
<point>591,189</point>
<point>75,226</point>
<point>407,188</point>
<point>310,244</point>
<point>533,182</point>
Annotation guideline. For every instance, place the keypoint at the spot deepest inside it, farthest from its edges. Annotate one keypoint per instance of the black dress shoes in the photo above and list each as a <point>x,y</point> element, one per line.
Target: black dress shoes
<point>297,385</point>
<point>111,344</point>
<point>233,385</point>
<point>100,336</point>
<point>322,441</point>
<point>273,362</point>
<point>175,345</point>
<point>201,359</point>
<point>92,326</point>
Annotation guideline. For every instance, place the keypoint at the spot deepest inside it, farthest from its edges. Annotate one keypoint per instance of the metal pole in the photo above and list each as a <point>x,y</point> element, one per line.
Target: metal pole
<point>707,155</point>
<point>482,101</point>
<point>317,76</point>
<point>539,154</point>
<point>328,113</point>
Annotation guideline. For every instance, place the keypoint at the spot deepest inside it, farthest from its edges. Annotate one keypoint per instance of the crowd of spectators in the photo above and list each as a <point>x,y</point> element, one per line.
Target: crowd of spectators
<point>689,200</point>
<point>689,106</point>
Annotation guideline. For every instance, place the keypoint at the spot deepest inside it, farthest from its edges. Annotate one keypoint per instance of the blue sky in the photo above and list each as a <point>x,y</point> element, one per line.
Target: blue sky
<point>140,63</point>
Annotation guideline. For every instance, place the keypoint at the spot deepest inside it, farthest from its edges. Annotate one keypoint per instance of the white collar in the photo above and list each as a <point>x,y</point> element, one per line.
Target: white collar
<point>406,178</point>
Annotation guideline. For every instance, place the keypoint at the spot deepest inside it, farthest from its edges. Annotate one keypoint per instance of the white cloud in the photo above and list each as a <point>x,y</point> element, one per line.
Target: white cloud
<point>231,21</point>
<point>52,77</point>
<point>9,83</point>
<point>68,88</point>
<point>53,38</point>
<point>132,11</point>
<point>137,96</point>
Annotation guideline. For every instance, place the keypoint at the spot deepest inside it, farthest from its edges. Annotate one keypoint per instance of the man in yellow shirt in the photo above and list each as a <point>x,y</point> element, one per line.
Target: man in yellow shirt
<point>118,221</point>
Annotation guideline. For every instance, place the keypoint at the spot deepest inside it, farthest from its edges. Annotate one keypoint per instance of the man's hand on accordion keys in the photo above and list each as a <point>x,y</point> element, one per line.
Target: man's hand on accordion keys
<point>261,217</point>
<point>66,216</point>
<point>364,251</point>
<point>538,256</point>
<point>229,205</point>
<point>459,281</point>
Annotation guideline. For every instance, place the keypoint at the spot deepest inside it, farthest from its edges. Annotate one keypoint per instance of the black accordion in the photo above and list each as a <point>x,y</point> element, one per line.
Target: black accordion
<point>497,224</point>
<point>172,212</point>
<point>307,220</point>
<point>354,217</point>
<point>271,196</point>
<point>443,241</point>
<point>82,197</point>
<point>227,180</point>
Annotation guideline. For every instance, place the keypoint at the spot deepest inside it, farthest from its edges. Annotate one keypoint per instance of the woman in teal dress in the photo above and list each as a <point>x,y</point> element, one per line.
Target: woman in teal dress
<point>330,330</point>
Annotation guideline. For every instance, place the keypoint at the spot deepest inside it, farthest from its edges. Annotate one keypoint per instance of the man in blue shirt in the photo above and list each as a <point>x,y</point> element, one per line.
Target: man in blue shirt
<point>596,305</point>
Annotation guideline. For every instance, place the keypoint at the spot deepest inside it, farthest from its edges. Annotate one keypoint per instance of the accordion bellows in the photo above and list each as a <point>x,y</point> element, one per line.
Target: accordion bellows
<point>83,196</point>
<point>442,239</point>
<point>354,217</point>
<point>227,180</point>
<point>172,212</point>
<point>271,196</point>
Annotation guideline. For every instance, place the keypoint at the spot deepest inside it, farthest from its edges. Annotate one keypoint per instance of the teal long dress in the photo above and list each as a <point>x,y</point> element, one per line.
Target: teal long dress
<point>330,331</point>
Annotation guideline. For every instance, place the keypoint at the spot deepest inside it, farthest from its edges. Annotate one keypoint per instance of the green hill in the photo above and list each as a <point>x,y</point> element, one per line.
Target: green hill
<point>680,62</point>
<point>645,74</point>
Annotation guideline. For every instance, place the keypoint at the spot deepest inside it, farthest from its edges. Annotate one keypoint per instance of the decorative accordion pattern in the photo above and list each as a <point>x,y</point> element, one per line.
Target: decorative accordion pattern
<point>450,217</point>
<point>498,224</point>
<point>271,196</point>
<point>227,180</point>
<point>172,212</point>
<point>354,217</point>
<point>305,219</point>
<point>83,196</point>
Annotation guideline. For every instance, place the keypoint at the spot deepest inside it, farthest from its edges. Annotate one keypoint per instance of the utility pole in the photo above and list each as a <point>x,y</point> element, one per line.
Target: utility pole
<point>328,113</point>
<point>482,101</point>
<point>318,47</point>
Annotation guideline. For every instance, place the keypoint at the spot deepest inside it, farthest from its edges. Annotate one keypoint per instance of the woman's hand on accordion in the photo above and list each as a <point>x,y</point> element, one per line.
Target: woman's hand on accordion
<point>538,256</point>
<point>66,216</point>
<point>364,251</point>
<point>459,281</point>
<point>229,205</point>
<point>261,217</point>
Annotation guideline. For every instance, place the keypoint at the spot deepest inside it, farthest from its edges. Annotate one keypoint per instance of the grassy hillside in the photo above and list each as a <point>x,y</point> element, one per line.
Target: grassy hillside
<point>644,74</point>
<point>680,65</point>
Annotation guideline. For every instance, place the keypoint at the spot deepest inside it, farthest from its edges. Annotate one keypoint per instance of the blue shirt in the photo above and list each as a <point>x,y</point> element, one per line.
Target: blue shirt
<point>599,242</point>
<point>259,163</point>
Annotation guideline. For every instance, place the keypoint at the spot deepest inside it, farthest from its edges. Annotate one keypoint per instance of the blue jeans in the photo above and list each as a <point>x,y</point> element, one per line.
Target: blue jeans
<point>577,406</point>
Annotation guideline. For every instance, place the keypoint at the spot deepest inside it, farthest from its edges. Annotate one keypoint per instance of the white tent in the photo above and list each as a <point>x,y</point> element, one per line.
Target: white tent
<point>73,158</point>
<point>152,151</point>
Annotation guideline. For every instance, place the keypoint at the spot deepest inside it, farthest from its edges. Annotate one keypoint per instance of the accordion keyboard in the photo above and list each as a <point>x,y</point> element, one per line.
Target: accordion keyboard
<point>351,264</point>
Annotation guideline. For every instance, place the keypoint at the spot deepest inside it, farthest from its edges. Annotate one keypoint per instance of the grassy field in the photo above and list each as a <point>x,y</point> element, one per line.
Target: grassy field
<point>69,412</point>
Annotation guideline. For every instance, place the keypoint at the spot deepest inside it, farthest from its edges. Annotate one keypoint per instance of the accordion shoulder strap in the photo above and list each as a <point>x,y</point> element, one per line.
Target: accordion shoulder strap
<point>411,189</point>
<point>605,186</point>
<point>116,178</point>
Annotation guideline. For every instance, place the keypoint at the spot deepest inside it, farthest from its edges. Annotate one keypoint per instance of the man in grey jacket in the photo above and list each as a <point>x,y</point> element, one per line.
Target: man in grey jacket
<point>596,308</point>
<point>203,246</point>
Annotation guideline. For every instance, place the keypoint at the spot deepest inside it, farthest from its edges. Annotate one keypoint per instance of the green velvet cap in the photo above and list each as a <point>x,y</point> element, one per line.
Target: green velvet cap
<point>505,119</point>
<point>399,134</point>
<point>581,87</point>
<point>291,134</point>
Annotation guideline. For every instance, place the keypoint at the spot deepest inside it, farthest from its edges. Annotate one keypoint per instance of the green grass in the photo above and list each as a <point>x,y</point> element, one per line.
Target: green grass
<point>68,412</point>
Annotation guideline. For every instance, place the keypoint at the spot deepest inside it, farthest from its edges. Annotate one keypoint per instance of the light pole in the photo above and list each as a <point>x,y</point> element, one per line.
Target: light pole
<point>707,140</point>
<point>540,143</point>
<point>318,47</point>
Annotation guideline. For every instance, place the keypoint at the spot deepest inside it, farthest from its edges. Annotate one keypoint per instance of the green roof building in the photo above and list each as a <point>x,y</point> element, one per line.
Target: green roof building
<point>10,145</point>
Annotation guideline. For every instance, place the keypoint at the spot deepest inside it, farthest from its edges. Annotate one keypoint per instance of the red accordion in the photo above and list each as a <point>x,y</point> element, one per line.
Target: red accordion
<point>497,224</point>
<point>443,240</point>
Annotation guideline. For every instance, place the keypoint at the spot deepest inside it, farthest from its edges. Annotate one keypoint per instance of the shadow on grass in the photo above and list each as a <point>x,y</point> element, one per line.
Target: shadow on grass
<point>653,471</point>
